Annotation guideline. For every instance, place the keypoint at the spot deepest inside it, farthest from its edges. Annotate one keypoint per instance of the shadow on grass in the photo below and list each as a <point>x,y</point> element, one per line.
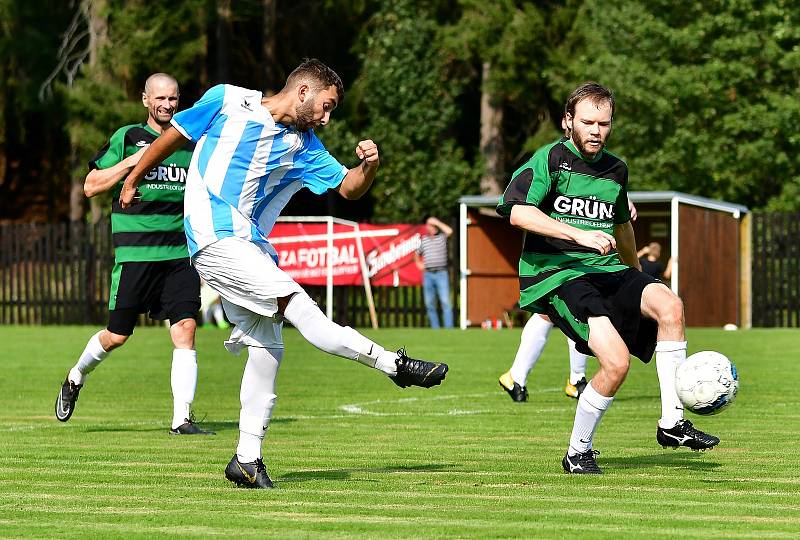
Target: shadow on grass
<point>344,474</point>
<point>121,428</point>
<point>213,426</point>
<point>697,461</point>
<point>233,425</point>
<point>636,397</point>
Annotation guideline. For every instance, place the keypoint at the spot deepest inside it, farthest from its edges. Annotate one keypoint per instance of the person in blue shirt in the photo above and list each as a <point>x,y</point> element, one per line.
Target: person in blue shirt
<point>252,153</point>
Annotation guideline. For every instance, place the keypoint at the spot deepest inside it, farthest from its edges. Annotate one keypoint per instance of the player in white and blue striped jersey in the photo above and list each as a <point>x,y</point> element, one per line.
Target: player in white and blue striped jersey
<point>252,154</point>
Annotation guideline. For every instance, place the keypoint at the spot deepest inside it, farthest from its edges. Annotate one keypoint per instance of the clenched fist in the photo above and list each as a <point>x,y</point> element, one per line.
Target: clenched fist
<point>368,151</point>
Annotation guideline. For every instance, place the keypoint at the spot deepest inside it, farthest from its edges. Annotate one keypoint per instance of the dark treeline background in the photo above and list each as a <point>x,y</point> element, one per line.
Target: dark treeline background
<point>456,93</point>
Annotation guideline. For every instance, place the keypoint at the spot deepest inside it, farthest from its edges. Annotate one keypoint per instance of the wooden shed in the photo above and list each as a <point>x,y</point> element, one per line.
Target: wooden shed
<point>709,241</point>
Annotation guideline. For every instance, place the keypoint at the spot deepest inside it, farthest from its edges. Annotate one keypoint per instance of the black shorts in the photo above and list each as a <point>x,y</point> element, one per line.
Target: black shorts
<point>618,296</point>
<point>164,289</point>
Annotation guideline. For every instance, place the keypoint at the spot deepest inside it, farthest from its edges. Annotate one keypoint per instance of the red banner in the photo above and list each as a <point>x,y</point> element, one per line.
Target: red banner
<point>388,252</point>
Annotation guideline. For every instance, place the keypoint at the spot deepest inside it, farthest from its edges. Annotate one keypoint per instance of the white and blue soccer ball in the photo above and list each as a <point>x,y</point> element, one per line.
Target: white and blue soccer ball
<point>706,382</point>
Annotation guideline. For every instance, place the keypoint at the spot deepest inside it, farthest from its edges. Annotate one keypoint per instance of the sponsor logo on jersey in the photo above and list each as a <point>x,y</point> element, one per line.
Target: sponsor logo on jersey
<point>246,105</point>
<point>142,144</point>
<point>565,166</point>
<point>588,208</point>
<point>170,173</point>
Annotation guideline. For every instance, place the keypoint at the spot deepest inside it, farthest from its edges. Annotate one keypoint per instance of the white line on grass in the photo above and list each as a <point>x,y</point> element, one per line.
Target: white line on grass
<point>359,408</point>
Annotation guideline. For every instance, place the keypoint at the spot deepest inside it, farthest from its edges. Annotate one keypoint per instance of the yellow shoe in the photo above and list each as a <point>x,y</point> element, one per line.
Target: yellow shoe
<point>575,390</point>
<point>518,393</point>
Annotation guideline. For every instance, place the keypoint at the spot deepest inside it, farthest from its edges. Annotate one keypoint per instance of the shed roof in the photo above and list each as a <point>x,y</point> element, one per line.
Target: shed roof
<point>636,197</point>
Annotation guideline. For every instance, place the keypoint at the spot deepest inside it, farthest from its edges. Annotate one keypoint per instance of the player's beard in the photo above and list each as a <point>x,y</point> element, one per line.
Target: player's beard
<point>304,114</point>
<point>580,144</point>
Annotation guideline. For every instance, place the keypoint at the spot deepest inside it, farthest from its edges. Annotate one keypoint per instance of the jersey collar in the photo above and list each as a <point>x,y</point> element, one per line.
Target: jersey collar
<point>150,130</point>
<point>571,147</point>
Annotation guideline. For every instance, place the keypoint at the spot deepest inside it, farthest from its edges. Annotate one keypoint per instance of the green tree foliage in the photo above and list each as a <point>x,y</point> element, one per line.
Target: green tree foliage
<point>706,92</point>
<point>517,38</point>
<point>404,100</point>
<point>143,38</point>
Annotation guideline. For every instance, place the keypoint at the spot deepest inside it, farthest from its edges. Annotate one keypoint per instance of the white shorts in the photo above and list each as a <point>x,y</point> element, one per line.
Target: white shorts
<point>250,283</point>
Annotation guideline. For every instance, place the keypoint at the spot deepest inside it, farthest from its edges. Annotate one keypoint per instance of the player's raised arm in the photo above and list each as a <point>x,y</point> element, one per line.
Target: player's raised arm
<point>101,180</point>
<point>359,179</point>
<point>530,218</point>
<point>169,141</point>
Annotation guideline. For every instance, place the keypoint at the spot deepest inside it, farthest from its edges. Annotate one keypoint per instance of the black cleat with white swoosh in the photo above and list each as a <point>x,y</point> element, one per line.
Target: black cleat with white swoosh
<point>685,434</point>
<point>65,401</point>
<point>412,372</point>
<point>583,463</point>
<point>248,475</point>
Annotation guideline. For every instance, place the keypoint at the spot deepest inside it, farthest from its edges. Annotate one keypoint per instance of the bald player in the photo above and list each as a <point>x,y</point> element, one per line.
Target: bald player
<point>151,271</point>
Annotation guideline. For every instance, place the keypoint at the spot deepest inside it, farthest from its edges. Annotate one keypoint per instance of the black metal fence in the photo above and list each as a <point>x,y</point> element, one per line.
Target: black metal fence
<point>60,274</point>
<point>776,269</point>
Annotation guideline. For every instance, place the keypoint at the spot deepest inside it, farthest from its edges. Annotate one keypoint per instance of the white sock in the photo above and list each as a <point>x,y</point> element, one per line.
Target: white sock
<point>669,355</point>
<point>531,344</point>
<point>184,384</point>
<point>257,396</point>
<point>90,358</point>
<point>577,363</point>
<point>590,409</point>
<point>342,341</point>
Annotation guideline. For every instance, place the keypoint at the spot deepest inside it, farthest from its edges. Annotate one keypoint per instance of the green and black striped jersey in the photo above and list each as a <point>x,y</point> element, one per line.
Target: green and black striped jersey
<point>585,194</point>
<point>151,230</point>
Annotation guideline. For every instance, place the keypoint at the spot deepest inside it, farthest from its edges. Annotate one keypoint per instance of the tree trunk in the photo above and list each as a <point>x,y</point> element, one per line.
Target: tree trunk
<point>3,94</point>
<point>224,30</point>
<point>491,144</point>
<point>95,13</point>
<point>271,83</point>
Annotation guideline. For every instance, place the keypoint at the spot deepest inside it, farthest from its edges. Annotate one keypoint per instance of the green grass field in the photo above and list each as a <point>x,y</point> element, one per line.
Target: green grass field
<point>355,456</point>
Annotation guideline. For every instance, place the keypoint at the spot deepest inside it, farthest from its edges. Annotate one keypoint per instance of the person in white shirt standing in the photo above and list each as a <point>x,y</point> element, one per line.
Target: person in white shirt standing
<point>252,154</point>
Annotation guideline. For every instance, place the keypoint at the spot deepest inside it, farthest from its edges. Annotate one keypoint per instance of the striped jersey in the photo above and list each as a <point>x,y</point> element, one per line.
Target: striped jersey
<point>433,250</point>
<point>153,229</point>
<point>589,195</point>
<point>246,167</point>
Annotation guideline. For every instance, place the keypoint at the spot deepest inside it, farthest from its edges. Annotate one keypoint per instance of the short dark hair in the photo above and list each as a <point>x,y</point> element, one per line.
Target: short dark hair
<point>589,90</point>
<point>311,69</point>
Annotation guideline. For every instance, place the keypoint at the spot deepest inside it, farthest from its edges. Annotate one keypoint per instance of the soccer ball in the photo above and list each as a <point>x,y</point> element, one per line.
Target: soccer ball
<point>706,382</point>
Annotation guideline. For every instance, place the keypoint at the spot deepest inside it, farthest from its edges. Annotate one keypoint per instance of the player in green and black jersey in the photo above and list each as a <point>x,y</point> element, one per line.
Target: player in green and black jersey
<point>151,273</point>
<point>579,267</point>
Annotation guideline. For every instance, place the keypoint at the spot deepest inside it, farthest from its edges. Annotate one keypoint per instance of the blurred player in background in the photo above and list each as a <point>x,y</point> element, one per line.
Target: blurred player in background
<point>211,308</point>
<point>151,271</point>
<point>532,341</point>
<point>650,259</point>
